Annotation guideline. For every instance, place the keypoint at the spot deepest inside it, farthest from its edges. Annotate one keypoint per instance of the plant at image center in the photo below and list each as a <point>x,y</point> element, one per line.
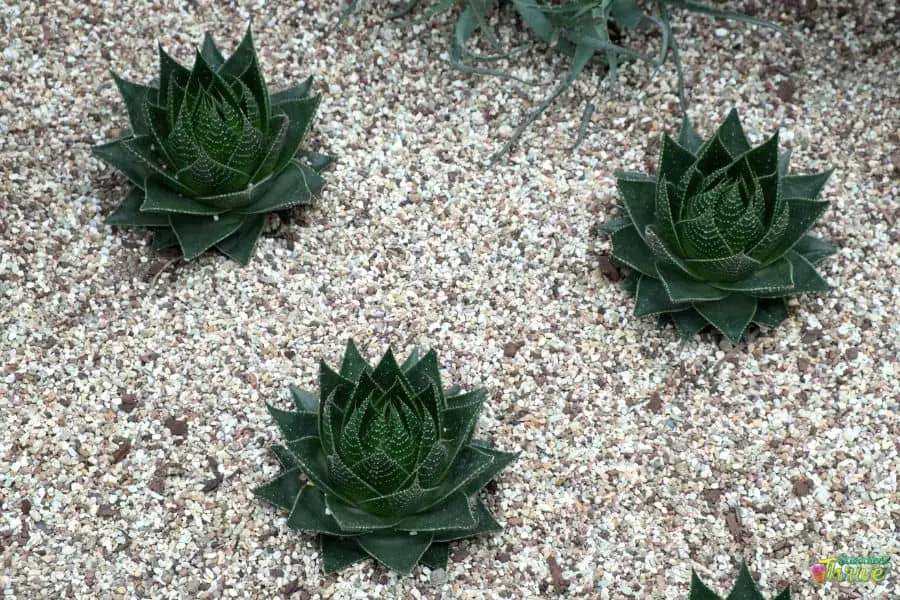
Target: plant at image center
<point>393,471</point>
<point>718,236</point>
<point>211,153</point>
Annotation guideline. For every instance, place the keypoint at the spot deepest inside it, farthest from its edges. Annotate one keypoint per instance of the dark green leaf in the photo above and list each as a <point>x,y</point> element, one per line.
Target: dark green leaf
<point>684,289</point>
<point>297,184</point>
<point>164,238</point>
<point>722,270</point>
<point>772,280</point>
<point>730,315</point>
<point>309,513</point>
<point>240,245</point>
<point>630,250</point>
<point>486,523</point>
<point>295,93</point>
<point>688,137</point>
<point>814,249</point>
<point>745,587</point>
<point>282,490</point>
<point>197,234</point>
<point>804,186</point>
<point>731,134</point>
<point>300,114</point>
<point>771,312</point>
<point>129,213</point>
<point>453,513</point>
<point>400,551</point>
<point>353,520</point>
<point>136,96</point>
<point>802,214</point>
<point>161,198</point>
<point>638,192</point>
<point>806,278</point>
<point>699,591</point>
<point>285,458</point>
<point>438,554</point>
<point>500,460</point>
<point>763,159</point>
<point>294,425</point>
<point>353,364</point>
<point>701,238</point>
<point>652,298</point>
<point>210,53</point>
<point>319,162</point>
<point>339,553</point>
<point>308,453</point>
<point>674,160</point>
<point>304,401</point>
<point>688,323</point>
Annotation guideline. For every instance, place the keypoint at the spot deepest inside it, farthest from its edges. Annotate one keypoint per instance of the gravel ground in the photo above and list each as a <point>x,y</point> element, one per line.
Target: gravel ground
<point>132,400</point>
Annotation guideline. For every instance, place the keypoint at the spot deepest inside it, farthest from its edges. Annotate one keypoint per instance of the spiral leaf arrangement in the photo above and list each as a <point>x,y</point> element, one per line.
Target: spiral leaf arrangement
<point>393,471</point>
<point>717,237</point>
<point>210,153</point>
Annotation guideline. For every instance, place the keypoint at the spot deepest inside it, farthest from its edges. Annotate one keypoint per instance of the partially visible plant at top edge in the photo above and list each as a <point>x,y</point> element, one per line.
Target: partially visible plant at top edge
<point>744,589</point>
<point>718,236</point>
<point>393,472</point>
<point>587,31</point>
<point>210,152</point>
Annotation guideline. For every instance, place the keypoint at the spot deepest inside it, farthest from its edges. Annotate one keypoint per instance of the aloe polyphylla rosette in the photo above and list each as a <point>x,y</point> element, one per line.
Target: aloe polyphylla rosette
<point>393,471</point>
<point>744,589</point>
<point>210,153</point>
<point>718,237</point>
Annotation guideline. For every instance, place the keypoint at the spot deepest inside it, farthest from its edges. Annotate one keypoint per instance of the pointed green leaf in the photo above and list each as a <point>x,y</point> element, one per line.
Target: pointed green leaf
<point>721,270</point>
<point>772,280</point>
<point>688,137</point>
<point>701,238</point>
<point>771,312</point>
<point>308,454</point>
<point>304,401</point>
<point>353,520</point>
<point>500,460</point>
<point>688,323</point>
<point>210,53</point>
<point>285,458</point>
<point>630,249</point>
<point>453,513</point>
<point>673,160</point>
<point>486,523</point>
<point>297,184</point>
<point>300,114</point>
<point>329,382</point>
<point>318,161</point>
<point>652,298</point>
<point>309,513</point>
<point>240,245</point>
<point>472,464</point>
<point>802,214</point>
<point>712,157</point>
<point>134,158</point>
<point>129,213</point>
<point>663,216</point>
<point>806,278</point>
<point>681,288</point>
<point>730,315</point>
<point>294,425</point>
<point>136,96</point>
<point>436,556</point>
<point>399,552</point>
<point>731,134</point>
<point>814,249</point>
<point>282,490</point>
<point>745,587</point>
<point>338,553</point>
<point>171,74</point>
<point>295,93</point>
<point>663,254</point>
<point>804,186</point>
<point>763,159</point>
<point>699,591</point>
<point>197,234</point>
<point>164,238</point>
<point>409,363</point>
<point>161,198</point>
<point>387,371</point>
<point>784,164</point>
<point>638,192</point>
<point>353,364</point>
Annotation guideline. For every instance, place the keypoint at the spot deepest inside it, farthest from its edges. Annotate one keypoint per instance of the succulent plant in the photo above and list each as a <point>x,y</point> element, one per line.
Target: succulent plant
<point>718,235</point>
<point>210,153</point>
<point>393,471</point>
<point>744,589</point>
